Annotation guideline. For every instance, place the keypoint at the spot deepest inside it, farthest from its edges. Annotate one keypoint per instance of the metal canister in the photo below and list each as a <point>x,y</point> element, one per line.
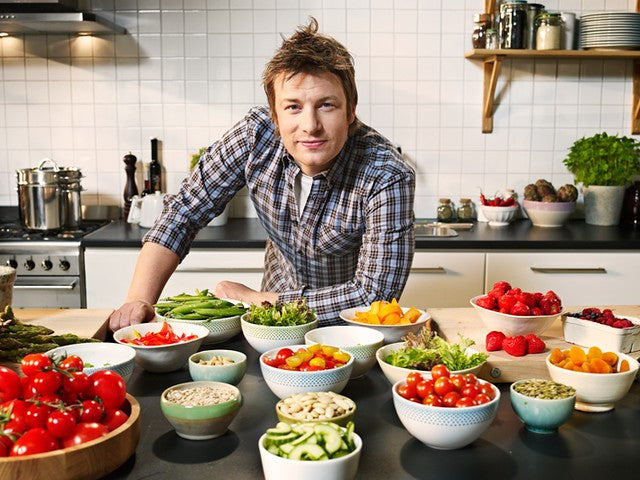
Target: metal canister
<point>533,10</point>
<point>513,24</point>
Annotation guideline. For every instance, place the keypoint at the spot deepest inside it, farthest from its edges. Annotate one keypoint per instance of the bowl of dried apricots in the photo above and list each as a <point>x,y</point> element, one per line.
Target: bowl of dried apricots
<point>389,318</point>
<point>600,378</point>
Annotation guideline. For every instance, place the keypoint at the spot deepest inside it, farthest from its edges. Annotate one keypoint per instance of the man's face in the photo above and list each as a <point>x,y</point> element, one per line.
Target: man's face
<point>312,116</point>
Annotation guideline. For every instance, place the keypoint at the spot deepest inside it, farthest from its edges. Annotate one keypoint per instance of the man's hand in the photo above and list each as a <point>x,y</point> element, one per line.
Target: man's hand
<point>242,293</point>
<point>131,313</point>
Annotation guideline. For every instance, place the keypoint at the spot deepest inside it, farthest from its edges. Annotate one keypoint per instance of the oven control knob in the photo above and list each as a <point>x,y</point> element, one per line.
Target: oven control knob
<point>12,263</point>
<point>29,264</point>
<point>64,265</point>
<point>47,265</point>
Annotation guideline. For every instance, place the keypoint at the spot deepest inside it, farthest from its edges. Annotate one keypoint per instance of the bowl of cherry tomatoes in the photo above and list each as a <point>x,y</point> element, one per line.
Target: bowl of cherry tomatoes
<point>306,368</point>
<point>445,411</point>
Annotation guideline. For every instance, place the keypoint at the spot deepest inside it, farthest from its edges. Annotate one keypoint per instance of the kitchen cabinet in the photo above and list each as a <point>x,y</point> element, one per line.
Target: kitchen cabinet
<point>440,279</point>
<point>109,272</point>
<point>578,278</point>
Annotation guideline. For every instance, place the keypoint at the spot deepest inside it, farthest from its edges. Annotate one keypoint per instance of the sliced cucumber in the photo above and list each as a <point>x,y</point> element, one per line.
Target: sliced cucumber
<point>331,438</point>
<point>308,451</point>
<point>310,441</point>
<point>287,448</point>
<point>281,428</point>
<point>280,439</point>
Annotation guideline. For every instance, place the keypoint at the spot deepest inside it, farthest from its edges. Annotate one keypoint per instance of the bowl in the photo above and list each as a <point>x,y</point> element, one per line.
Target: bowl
<point>284,383</point>
<point>500,216</point>
<point>587,333</point>
<point>596,392</point>
<point>231,373</point>
<point>162,358</point>
<point>201,422</point>
<point>548,214</point>
<point>445,428</point>
<point>316,407</point>
<point>263,337</point>
<point>361,342</point>
<point>512,325</point>
<point>101,356</point>
<point>541,415</point>
<point>392,333</point>
<point>93,459</point>
<point>341,468</point>
<point>395,374</point>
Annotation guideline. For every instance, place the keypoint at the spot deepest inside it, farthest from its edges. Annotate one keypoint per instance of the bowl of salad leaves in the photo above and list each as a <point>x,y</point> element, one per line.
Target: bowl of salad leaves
<point>421,351</point>
<point>269,326</point>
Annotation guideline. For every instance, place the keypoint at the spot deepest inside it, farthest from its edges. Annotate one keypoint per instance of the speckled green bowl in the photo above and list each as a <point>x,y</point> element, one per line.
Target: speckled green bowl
<point>200,422</point>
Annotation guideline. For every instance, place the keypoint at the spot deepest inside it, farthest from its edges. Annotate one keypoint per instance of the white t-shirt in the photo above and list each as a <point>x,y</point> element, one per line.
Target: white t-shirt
<point>302,189</point>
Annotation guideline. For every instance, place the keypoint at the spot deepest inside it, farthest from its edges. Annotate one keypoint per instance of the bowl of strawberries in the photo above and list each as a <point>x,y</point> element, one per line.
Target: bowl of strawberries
<point>516,312</point>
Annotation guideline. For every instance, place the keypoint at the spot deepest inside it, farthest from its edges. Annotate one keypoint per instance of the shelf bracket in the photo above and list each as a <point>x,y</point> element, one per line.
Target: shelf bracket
<point>635,107</point>
<point>491,67</point>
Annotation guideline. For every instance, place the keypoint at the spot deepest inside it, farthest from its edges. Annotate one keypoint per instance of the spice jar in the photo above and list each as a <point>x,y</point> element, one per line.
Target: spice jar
<point>492,39</point>
<point>445,210</point>
<point>482,21</point>
<point>549,31</point>
<point>513,24</point>
<point>465,210</point>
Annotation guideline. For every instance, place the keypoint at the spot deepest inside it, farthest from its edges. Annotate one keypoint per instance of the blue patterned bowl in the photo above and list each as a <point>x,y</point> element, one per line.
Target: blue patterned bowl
<point>284,383</point>
<point>445,428</point>
<point>100,356</point>
<point>263,337</point>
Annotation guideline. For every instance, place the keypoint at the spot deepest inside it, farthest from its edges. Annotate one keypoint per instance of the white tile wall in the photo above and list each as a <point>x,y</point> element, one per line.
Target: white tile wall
<point>188,69</point>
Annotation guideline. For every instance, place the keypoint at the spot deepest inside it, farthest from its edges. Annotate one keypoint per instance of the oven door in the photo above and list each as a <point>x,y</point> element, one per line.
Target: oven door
<point>47,292</point>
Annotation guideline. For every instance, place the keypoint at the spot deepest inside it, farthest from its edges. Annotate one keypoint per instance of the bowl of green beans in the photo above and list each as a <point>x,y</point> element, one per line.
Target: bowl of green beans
<point>220,315</point>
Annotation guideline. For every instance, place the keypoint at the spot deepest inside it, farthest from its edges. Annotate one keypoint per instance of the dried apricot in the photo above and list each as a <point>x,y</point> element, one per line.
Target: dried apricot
<point>556,356</point>
<point>624,366</point>
<point>611,358</point>
<point>577,355</point>
<point>594,352</point>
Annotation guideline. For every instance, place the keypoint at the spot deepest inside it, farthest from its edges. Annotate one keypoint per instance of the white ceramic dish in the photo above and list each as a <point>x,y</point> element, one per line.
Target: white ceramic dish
<point>263,338</point>
<point>392,333</point>
<point>548,214</point>
<point>587,333</point>
<point>100,356</point>
<point>499,216</point>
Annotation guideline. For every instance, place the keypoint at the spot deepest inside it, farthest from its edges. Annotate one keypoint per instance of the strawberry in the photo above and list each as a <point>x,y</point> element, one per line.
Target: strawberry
<point>487,302</point>
<point>527,298</point>
<point>494,341</point>
<point>507,302</point>
<point>499,289</point>
<point>520,309</point>
<point>515,346</point>
<point>535,344</point>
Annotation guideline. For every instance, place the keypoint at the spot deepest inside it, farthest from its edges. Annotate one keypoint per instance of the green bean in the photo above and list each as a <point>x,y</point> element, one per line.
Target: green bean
<point>190,307</point>
<point>189,316</point>
<point>220,312</point>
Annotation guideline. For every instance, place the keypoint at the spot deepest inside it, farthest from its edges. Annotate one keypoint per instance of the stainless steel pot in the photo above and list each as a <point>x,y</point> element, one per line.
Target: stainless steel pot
<point>49,197</point>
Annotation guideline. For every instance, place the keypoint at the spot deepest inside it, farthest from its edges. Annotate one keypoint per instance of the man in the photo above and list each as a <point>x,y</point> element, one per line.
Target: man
<point>334,196</point>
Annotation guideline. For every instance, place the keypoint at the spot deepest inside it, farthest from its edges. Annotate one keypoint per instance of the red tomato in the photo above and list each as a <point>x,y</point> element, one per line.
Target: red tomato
<point>114,418</point>
<point>84,432</point>
<point>46,383</point>
<point>424,388</point>
<point>440,370</point>
<point>481,399</point>
<point>443,385</point>
<point>414,378</point>
<point>433,400</point>
<point>458,381</point>
<point>4,449</point>
<point>487,389</point>
<point>91,411</point>
<point>72,363</point>
<point>37,414</point>
<point>470,379</point>
<point>34,363</point>
<point>10,386</point>
<point>27,389</point>
<point>109,387</point>
<point>470,390</point>
<point>75,381</point>
<point>465,402</point>
<point>282,355</point>
<point>450,399</point>
<point>272,362</point>
<point>61,423</point>
<point>36,440</point>
<point>406,391</point>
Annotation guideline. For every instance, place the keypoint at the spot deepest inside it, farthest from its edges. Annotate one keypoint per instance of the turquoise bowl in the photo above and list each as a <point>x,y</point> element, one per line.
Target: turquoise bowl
<point>231,373</point>
<point>541,415</point>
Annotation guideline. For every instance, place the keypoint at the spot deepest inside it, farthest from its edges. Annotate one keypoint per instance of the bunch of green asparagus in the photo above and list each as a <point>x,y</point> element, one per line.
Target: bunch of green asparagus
<point>18,339</point>
<point>203,306</point>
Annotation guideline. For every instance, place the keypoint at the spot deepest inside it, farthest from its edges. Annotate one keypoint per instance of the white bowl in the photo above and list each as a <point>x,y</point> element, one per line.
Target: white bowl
<point>341,468</point>
<point>512,325</point>
<point>231,373</point>
<point>500,216</point>
<point>284,383</point>
<point>395,374</point>
<point>548,214</point>
<point>445,428</point>
<point>361,342</point>
<point>587,333</point>
<point>596,392</point>
<point>163,358</point>
<point>263,338</point>
<point>392,333</point>
<point>102,356</point>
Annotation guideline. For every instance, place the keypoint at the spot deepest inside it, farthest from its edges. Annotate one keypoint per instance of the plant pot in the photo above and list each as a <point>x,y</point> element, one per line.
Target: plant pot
<point>603,204</point>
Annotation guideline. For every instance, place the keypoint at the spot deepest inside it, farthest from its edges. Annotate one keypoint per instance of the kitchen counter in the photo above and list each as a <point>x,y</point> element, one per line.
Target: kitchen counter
<point>520,235</point>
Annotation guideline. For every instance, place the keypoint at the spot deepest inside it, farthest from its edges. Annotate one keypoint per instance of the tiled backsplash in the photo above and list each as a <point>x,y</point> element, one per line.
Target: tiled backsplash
<point>188,69</point>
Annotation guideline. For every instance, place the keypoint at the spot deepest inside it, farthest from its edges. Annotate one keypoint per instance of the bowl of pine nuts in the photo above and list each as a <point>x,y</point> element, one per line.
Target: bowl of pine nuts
<point>227,366</point>
<point>316,407</point>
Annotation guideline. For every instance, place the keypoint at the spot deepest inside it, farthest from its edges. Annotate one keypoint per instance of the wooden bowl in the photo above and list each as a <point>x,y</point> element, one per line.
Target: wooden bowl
<point>88,461</point>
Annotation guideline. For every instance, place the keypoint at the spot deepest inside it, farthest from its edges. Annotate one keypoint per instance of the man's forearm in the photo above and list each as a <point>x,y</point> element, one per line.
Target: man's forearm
<point>154,267</point>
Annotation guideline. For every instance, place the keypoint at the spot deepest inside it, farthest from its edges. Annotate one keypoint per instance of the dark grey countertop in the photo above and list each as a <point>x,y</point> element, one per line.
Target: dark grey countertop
<point>520,235</point>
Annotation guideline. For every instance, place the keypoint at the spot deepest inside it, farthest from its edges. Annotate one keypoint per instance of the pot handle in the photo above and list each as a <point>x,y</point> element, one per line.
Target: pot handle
<point>45,160</point>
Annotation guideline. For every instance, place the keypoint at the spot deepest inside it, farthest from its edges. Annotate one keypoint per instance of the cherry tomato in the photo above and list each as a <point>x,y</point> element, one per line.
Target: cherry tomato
<point>46,383</point>
<point>91,411</point>
<point>272,362</point>
<point>75,381</point>
<point>37,415</point>
<point>36,440</point>
<point>414,378</point>
<point>465,402</point>
<point>406,391</point>
<point>282,355</point>
<point>433,400</point>
<point>10,386</point>
<point>470,390</point>
<point>84,432</point>
<point>33,363</point>
<point>470,379</point>
<point>72,363</point>
<point>481,399</point>
<point>27,388</point>
<point>15,411</point>
<point>458,381</point>
<point>443,385</point>
<point>440,370</point>
<point>61,423</point>
<point>487,389</point>
<point>424,388</point>
<point>114,418</point>
<point>4,449</point>
<point>109,387</point>
<point>450,399</point>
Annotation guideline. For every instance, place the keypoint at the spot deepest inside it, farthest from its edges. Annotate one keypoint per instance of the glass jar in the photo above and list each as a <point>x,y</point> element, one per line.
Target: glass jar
<point>549,31</point>
<point>513,24</point>
<point>533,10</point>
<point>445,210</point>
<point>465,210</point>
<point>481,21</point>
<point>492,39</point>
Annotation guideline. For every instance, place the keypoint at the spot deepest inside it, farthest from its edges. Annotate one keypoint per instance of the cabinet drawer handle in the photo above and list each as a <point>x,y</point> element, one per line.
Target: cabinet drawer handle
<point>429,270</point>
<point>568,270</point>
<point>219,269</point>
<point>44,286</point>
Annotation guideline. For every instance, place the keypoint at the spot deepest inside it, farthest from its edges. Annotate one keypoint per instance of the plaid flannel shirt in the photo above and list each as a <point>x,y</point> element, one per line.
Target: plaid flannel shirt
<point>354,241</point>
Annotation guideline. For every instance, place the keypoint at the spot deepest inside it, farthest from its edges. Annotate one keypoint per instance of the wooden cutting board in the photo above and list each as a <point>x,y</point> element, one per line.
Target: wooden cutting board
<point>502,367</point>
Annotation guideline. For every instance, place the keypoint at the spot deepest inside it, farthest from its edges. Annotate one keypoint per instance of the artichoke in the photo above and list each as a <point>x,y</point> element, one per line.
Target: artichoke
<point>531,193</point>
<point>550,197</point>
<point>567,193</point>
<point>544,188</point>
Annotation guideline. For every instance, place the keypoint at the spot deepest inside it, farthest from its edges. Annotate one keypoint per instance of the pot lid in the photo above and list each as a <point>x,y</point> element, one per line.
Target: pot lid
<point>48,175</point>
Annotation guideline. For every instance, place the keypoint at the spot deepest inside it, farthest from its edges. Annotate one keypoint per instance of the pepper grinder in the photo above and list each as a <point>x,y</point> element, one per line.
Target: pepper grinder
<point>130,188</point>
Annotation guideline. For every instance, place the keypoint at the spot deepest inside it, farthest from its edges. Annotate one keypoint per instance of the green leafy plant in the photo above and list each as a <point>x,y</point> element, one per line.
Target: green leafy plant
<point>195,158</point>
<point>604,159</point>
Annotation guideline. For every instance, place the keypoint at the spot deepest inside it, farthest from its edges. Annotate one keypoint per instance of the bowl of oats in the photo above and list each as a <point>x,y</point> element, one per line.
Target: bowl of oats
<point>201,410</point>
<point>227,366</point>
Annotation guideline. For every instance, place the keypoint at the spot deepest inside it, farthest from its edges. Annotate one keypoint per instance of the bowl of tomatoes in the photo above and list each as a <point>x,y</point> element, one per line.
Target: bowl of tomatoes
<point>306,368</point>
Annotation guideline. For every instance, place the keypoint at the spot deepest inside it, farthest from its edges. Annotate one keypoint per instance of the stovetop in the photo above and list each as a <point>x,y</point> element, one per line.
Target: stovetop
<point>12,231</point>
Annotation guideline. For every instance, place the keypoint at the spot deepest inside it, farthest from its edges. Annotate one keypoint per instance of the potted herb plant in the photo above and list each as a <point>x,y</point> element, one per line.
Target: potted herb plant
<point>604,164</point>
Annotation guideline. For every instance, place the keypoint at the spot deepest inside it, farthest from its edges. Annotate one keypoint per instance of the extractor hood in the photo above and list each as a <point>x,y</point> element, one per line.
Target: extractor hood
<point>29,17</point>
